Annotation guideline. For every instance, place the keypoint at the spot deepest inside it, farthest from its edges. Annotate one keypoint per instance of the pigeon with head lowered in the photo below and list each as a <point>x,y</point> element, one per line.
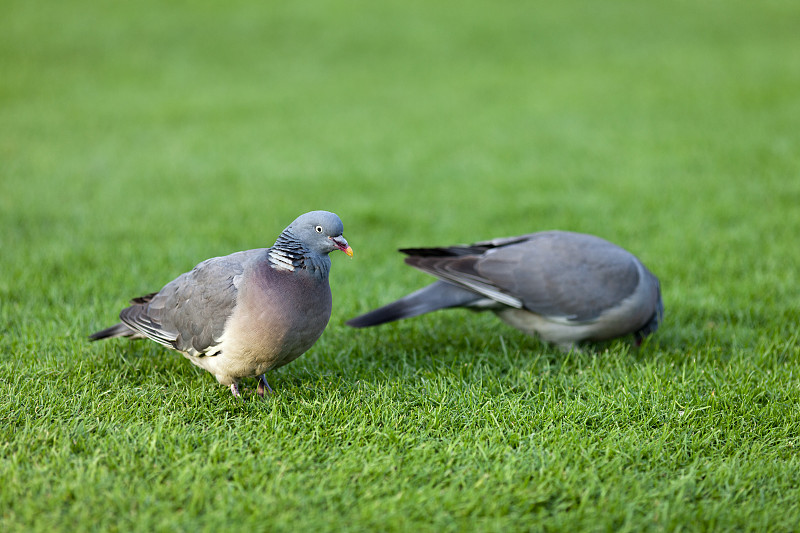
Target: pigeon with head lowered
<point>243,314</point>
<point>564,287</point>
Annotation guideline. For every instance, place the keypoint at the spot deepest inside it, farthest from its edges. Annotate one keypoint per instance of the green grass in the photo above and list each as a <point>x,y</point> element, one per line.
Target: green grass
<point>137,139</point>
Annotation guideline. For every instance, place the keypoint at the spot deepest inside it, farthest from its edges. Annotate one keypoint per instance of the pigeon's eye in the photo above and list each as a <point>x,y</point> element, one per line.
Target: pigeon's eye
<point>318,229</point>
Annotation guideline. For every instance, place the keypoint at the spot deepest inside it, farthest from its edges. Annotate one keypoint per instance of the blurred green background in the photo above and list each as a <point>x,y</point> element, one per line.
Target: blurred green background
<point>138,138</point>
<point>197,128</point>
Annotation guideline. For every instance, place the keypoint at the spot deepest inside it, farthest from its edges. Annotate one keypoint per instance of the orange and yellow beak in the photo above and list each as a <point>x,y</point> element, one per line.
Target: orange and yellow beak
<point>341,243</point>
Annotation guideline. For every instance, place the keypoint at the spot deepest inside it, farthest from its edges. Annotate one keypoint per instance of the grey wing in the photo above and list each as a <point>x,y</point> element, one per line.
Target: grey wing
<point>462,271</point>
<point>561,274</point>
<point>190,312</point>
<point>459,250</point>
<point>553,273</point>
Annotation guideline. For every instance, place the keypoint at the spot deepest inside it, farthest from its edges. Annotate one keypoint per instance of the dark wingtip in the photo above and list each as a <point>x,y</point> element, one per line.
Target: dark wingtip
<point>450,251</point>
<point>143,299</point>
<point>447,251</point>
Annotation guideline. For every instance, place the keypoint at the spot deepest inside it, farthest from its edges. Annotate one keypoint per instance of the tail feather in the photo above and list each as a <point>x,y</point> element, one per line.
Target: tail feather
<point>438,295</point>
<point>117,330</point>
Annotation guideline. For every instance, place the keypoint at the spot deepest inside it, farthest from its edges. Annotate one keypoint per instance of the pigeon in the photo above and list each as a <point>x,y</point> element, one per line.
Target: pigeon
<point>565,287</point>
<point>244,314</point>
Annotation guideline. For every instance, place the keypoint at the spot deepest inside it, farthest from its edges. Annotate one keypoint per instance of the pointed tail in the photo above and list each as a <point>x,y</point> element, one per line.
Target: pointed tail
<point>117,330</point>
<point>438,295</point>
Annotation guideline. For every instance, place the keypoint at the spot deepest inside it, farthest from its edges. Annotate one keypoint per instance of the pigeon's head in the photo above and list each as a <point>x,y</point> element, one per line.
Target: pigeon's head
<point>320,231</point>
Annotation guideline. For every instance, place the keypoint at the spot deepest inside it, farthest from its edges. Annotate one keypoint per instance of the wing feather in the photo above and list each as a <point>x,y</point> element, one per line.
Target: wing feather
<point>564,275</point>
<point>190,312</point>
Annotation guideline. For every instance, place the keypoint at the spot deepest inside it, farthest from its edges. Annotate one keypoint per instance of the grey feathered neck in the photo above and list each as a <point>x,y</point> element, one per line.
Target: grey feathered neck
<point>290,254</point>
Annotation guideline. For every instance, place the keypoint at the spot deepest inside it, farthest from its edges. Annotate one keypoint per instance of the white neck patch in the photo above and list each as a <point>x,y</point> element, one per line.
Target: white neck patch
<point>280,261</point>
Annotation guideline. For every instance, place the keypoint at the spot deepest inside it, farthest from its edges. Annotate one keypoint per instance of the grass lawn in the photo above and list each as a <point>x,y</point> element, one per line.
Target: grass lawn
<point>139,138</point>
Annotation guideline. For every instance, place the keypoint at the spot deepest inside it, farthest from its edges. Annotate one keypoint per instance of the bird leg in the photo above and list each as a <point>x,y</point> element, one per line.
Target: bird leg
<point>235,390</point>
<point>567,347</point>
<point>263,386</point>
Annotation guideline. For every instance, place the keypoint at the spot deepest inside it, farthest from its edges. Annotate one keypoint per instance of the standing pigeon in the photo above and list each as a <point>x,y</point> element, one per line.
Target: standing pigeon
<point>566,287</point>
<point>246,313</point>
